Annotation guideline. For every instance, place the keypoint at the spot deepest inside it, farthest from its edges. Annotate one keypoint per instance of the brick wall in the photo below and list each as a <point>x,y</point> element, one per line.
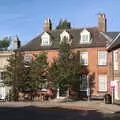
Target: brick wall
<point>93,66</point>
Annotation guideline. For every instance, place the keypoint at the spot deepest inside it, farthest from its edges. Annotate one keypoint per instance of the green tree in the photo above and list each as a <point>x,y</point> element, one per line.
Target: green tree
<point>14,74</point>
<point>22,75</point>
<point>65,70</point>
<point>4,44</point>
<point>39,71</point>
<point>63,24</point>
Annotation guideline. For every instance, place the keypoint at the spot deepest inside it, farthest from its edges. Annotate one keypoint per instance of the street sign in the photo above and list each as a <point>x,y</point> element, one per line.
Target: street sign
<point>112,84</point>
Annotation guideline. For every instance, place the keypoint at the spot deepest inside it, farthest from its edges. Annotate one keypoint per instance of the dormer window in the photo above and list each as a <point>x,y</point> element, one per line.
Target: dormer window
<point>45,39</point>
<point>65,36</point>
<point>85,37</point>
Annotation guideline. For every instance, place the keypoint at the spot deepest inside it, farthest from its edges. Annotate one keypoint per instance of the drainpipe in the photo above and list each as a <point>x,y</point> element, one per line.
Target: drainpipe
<point>112,65</point>
<point>112,76</point>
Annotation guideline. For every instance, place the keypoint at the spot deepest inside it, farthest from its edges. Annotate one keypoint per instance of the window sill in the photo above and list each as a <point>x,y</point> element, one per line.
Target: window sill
<point>100,91</point>
<point>45,44</point>
<point>102,65</point>
<point>83,65</point>
<point>85,42</point>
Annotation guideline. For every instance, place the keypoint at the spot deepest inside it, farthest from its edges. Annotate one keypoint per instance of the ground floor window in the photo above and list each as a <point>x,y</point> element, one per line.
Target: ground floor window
<point>102,82</point>
<point>2,92</point>
<point>83,82</point>
<point>1,76</point>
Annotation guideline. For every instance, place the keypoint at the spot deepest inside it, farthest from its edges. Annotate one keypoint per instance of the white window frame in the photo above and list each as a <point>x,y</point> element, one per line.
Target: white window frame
<point>102,60</point>
<point>85,37</point>
<point>63,35</point>
<point>115,59</point>
<point>45,39</point>
<point>84,58</point>
<point>102,82</point>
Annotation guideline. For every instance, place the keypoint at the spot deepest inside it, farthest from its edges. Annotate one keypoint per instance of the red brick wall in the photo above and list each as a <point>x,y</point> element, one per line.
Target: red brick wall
<point>92,63</point>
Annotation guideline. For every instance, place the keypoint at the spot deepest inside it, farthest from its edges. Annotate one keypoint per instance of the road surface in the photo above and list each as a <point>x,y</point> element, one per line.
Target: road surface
<point>51,113</point>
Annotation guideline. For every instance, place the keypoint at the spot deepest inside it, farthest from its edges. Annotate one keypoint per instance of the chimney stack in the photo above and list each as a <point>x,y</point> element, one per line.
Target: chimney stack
<point>47,25</point>
<point>16,42</point>
<point>102,22</point>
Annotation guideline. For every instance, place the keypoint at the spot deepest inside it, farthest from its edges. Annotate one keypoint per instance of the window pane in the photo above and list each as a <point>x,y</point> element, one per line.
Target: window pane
<point>45,41</point>
<point>84,38</point>
<point>1,76</point>
<point>102,82</point>
<point>84,58</point>
<point>102,58</point>
<point>83,82</point>
<point>115,57</point>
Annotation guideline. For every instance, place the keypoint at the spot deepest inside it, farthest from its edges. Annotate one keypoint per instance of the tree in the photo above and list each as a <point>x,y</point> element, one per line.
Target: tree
<point>24,75</point>
<point>4,44</point>
<point>63,24</point>
<point>14,73</point>
<point>65,70</point>
<point>39,71</point>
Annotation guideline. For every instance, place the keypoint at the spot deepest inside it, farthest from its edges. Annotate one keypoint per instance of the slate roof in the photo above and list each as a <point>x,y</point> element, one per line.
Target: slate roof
<point>115,43</point>
<point>112,35</point>
<point>97,40</point>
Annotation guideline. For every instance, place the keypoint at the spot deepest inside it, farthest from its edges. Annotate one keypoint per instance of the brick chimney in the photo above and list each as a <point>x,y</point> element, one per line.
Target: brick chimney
<point>102,22</point>
<point>16,42</point>
<point>47,25</point>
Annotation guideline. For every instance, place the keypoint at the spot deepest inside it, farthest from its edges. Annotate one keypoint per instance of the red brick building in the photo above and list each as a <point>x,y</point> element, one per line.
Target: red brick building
<point>89,42</point>
<point>114,68</point>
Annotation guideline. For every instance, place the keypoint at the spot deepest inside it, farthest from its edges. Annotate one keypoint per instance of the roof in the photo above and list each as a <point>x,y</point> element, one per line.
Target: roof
<point>112,35</point>
<point>115,43</point>
<point>98,40</point>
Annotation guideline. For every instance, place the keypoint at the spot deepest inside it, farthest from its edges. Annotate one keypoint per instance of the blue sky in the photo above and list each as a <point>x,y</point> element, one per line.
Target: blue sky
<point>25,17</point>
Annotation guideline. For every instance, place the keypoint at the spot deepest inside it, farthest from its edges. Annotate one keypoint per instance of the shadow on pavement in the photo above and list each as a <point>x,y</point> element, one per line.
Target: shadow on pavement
<point>53,113</point>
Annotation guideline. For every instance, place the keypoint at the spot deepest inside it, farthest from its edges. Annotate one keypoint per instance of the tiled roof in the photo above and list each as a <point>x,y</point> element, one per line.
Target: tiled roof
<point>98,40</point>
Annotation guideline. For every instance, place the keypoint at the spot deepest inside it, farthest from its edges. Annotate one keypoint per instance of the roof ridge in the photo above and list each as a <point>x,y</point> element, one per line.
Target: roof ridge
<point>83,28</point>
<point>76,28</point>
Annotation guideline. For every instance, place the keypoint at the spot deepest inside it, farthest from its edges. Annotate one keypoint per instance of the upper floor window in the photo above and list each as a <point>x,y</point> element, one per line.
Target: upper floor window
<point>102,58</point>
<point>84,58</point>
<point>45,39</point>
<point>65,36</point>
<point>85,37</point>
<point>115,58</point>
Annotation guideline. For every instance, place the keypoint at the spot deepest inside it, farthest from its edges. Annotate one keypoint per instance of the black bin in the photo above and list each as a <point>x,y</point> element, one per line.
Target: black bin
<point>108,99</point>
